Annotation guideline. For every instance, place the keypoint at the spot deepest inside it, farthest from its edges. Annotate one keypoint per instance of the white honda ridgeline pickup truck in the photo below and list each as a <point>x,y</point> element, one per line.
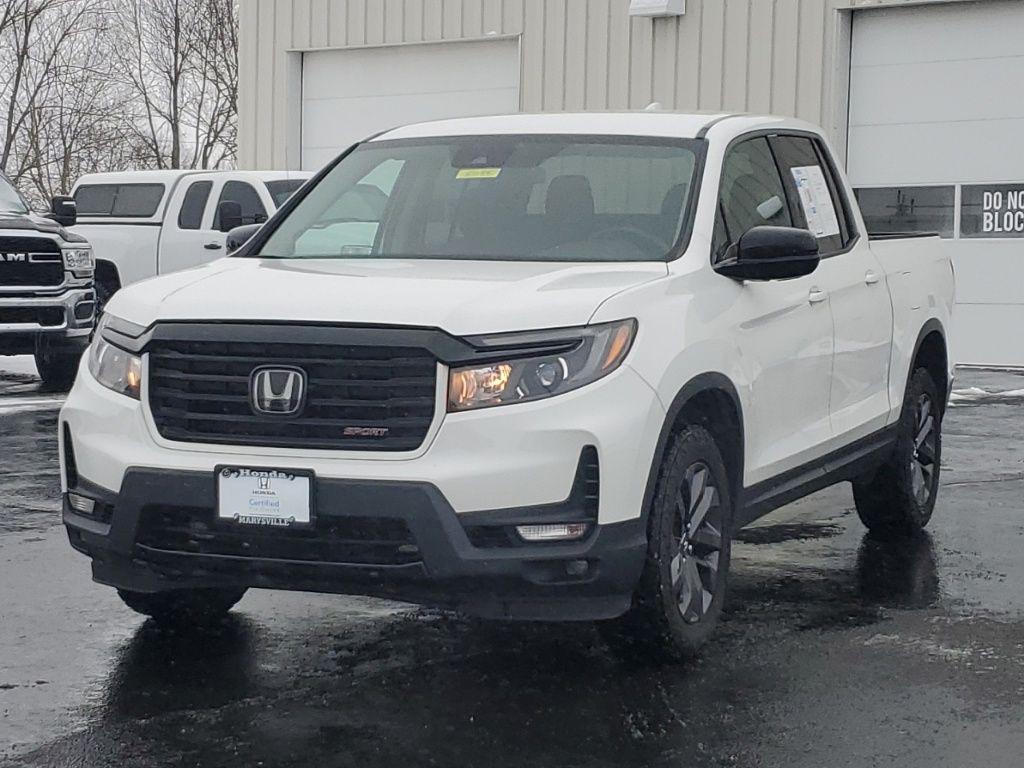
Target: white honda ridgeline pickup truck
<point>528,367</point>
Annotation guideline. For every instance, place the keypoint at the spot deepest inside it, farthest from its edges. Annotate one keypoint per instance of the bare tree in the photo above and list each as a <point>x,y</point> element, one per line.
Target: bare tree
<point>178,58</point>
<point>89,85</point>
<point>78,125</point>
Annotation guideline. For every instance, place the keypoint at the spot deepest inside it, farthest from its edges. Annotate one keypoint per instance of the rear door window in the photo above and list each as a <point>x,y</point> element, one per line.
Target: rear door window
<point>813,194</point>
<point>119,200</point>
<point>281,189</point>
<point>194,205</point>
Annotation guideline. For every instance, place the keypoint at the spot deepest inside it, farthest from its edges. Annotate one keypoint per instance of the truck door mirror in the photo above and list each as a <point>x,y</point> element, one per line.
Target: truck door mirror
<point>229,213</point>
<point>771,253</point>
<point>63,210</point>
<point>239,236</point>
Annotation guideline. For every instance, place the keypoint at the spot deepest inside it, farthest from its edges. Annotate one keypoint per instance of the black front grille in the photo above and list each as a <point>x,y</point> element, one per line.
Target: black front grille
<point>49,317</point>
<point>334,540</point>
<point>358,397</point>
<point>30,261</point>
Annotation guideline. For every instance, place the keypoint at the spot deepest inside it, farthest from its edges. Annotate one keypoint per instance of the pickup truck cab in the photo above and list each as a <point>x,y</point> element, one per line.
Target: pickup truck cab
<point>147,223</point>
<point>528,367</point>
<point>47,302</point>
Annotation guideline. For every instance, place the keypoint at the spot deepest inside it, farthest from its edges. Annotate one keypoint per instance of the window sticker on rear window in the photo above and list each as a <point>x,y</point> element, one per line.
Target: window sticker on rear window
<point>816,200</point>
<point>467,174</point>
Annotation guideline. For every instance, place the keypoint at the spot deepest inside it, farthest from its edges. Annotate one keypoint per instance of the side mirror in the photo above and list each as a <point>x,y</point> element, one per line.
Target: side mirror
<point>63,210</point>
<point>230,214</point>
<point>771,253</point>
<point>239,236</point>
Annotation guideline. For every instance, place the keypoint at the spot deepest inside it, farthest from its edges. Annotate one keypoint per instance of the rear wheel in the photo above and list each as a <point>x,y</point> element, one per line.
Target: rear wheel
<point>900,496</point>
<point>681,592</point>
<point>183,606</point>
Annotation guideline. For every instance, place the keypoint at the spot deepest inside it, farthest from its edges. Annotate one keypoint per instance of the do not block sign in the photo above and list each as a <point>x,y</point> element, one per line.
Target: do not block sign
<point>992,210</point>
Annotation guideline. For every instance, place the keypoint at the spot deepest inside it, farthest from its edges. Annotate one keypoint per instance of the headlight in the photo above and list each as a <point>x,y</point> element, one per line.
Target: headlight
<point>115,368</point>
<point>78,257</point>
<point>598,351</point>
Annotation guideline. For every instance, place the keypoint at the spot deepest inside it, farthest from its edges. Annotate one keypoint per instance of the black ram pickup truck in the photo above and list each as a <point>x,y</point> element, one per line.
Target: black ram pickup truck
<point>47,296</point>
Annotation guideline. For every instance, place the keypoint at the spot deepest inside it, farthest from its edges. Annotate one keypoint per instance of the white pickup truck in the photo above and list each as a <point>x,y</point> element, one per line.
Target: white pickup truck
<point>528,367</point>
<point>146,223</point>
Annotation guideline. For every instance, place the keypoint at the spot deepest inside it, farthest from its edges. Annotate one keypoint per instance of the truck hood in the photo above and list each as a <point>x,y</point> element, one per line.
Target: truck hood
<point>31,222</point>
<point>461,297</point>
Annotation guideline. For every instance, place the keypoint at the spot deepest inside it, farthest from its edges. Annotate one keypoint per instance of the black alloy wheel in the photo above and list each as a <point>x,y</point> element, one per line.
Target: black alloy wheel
<point>697,541</point>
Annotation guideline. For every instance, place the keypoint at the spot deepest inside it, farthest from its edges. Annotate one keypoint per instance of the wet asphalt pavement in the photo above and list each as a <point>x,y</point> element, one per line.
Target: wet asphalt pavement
<point>836,650</point>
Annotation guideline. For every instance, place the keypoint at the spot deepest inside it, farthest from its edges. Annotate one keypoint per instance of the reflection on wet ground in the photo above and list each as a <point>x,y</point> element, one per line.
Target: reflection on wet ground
<point>836,649</point>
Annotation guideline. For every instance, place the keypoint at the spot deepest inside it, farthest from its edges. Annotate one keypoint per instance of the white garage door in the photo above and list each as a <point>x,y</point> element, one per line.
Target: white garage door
<point>348,95</point>
<point>936,127</point>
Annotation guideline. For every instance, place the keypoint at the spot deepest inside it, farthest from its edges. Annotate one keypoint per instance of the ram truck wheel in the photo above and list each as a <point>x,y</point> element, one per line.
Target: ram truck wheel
<point>899,498</point>
<point>183,606</point>
<point>57,367</point>
<point>679,599</point>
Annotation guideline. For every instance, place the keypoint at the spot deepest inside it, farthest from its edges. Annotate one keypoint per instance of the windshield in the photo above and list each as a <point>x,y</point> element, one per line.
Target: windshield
<point>10,200</point>
<point>523,198</point>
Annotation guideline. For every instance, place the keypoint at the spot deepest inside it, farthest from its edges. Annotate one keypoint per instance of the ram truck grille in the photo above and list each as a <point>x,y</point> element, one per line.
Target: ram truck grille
<point>356,397</point>
<point>30,261</point>
<point>47,317</point>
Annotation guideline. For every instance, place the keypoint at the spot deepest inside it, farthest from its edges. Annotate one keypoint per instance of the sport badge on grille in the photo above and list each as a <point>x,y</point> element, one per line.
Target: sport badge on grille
<point>277,391</point>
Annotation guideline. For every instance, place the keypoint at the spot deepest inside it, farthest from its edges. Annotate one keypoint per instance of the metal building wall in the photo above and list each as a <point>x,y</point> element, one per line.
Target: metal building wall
<point>744,55</point>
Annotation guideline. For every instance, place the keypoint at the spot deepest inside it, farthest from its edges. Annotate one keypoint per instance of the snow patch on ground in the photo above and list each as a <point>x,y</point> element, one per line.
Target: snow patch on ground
<point>22,365</point>
<point>20,404</point>
<point>973,394</point>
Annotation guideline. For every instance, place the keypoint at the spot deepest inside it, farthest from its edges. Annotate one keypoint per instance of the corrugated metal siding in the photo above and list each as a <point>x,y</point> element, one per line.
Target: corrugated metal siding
<point>744,55</point>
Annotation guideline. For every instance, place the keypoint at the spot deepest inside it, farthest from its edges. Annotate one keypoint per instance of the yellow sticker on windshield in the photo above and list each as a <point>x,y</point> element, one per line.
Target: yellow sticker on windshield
<point>465,174</point>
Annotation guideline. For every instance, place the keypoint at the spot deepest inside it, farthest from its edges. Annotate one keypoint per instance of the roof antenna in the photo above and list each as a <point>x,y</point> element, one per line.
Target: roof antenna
<point>654,106</point>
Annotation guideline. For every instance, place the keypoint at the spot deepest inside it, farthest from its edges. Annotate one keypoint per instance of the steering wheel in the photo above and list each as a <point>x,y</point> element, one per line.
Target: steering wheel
<point>638,237</point>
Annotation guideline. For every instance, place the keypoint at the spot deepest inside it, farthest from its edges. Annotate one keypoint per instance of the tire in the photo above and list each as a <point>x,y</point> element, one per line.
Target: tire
<point>57,367</point>
<point>679,598</point>
<point>183,606</point>
<point>898,499</point>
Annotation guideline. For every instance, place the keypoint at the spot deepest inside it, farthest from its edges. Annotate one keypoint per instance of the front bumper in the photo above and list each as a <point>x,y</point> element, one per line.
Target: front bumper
<point>517,463</point>
<point>69,316</point>
<point>445,559</point>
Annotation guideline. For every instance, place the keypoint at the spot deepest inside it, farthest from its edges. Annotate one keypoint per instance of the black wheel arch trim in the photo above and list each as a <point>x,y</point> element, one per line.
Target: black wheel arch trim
<point>932,325</point>
<point>704,382</point>
<point>107,264</point>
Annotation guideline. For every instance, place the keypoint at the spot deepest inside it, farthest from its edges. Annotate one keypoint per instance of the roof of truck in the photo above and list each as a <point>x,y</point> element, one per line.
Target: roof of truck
<point>650,122</point>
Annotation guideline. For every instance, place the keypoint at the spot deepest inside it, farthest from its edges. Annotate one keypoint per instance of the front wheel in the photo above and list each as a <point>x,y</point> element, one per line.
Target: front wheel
<point>183,606</point>
<point>899,498</point>
<point>682,589</point>
<point>56,366</point>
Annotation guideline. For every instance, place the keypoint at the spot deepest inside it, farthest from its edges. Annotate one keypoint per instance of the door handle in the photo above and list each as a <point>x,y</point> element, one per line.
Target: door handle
<point>213,246</point>
<point>871,277</point>
<point>816,296</point>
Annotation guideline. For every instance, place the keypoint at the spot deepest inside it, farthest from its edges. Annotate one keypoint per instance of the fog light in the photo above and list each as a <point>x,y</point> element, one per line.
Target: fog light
<point>84,310</point>
<point>553,532</point>
<point>577,567</point>
<point>81,504</point>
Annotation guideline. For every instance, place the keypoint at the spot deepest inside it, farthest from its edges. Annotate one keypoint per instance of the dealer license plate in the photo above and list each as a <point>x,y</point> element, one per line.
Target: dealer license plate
<point>267,497</point>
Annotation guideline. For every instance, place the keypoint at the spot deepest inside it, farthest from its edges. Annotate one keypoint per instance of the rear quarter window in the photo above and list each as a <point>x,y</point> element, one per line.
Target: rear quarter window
<point>119,200</point>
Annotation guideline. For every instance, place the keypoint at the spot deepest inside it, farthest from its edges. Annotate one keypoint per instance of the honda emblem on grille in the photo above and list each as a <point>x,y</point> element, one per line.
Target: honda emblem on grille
<point>277,391</point>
